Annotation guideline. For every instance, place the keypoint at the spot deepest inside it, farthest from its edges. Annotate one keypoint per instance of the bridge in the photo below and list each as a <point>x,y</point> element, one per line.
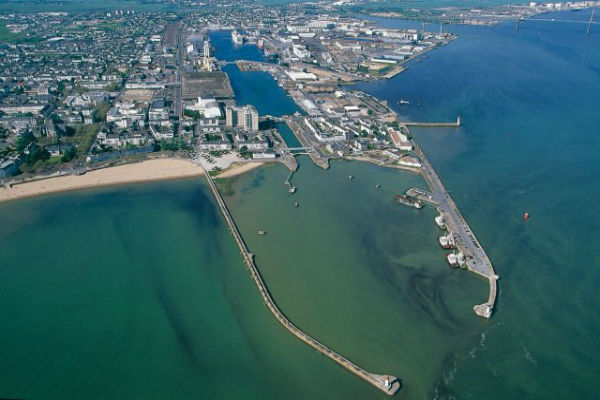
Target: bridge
<point>386,383</point>
<point>271,118</point>
<point>296,149</point>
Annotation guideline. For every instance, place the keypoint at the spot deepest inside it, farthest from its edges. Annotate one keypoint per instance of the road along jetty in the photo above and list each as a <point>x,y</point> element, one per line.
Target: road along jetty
<point>469,249</point>
<point>387,383</point>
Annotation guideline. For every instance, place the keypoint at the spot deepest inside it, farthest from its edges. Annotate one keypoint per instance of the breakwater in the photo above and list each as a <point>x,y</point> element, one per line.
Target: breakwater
<point>387,383</point>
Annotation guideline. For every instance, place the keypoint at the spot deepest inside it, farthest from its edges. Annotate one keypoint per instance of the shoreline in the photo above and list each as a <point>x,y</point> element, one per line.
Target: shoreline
<point>153,170</point>
<point>238,168</point>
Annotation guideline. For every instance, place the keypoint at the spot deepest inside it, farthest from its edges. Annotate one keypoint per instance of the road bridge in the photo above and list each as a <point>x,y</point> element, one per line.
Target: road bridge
<point>271,118</point>
<point>294,149</point>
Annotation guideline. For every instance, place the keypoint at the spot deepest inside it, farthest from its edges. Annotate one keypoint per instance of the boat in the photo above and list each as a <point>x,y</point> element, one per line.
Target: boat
<point>409,201</point>
<point>237,37</point>
<point>447,241</point>
<point>378,186</point>
<point>292,189</point>
<point>296,204</point>
<point>403,102</point>
<point>350,177</point>
<point>261,232</point>
<point>456,259</point>
<point>439,220</point>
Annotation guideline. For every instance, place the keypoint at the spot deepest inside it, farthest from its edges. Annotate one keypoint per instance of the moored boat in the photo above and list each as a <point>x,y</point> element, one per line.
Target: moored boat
<point>447,241</point>
<point>439,220</point>
<point>456,259</point>
<point>409,201</point>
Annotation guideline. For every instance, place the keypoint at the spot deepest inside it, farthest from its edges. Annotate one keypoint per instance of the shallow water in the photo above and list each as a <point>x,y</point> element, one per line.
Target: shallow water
<point>139,291</point>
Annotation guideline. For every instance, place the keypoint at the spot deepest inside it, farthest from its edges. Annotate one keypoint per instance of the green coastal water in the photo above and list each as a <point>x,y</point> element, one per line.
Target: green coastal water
<point>139,291</point>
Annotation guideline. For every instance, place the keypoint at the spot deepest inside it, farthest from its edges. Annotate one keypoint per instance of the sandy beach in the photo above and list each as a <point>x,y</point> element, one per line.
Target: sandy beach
<point>150,170</point>
<point>239,168</point>
<point>145,171</point>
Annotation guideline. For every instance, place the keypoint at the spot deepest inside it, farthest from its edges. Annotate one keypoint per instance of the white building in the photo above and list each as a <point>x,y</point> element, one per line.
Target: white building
<point>208,108</point>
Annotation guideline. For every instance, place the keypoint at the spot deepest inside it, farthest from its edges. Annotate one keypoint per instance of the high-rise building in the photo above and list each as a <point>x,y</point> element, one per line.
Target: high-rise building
<point>206,55</point>
<point>230,116</point>
<point>245,117</point>
<point>250,116</point>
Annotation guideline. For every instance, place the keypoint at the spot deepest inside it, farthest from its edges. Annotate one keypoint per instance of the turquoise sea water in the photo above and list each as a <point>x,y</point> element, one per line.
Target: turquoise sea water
<point>139,292</point>
<point>529,103</point>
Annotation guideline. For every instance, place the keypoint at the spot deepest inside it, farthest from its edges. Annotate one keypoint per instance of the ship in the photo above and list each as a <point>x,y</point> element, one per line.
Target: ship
<point>456,259</point>
<point>409,201</point>
<point>439,220</point>
<point>447,241</point>
<point>237,37</point>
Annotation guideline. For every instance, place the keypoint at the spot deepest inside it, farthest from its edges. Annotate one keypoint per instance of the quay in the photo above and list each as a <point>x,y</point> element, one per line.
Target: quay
<point>386,383</point>
<point>435,124</point>
<point>316,156</point>
<point>476,259</point>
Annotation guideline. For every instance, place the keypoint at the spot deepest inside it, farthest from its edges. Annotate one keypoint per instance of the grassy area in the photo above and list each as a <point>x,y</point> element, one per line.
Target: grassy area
<point>101,111</point>
<point>83,137</point>
<point>6,35</point>
<point>223,184</point>
<point>10,37</point>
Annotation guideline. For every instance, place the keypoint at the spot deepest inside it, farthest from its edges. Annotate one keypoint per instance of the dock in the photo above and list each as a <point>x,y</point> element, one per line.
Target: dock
<point>465,241</point>
<point>434,124</point>
<point>386,383</point>
<point>316,156</point>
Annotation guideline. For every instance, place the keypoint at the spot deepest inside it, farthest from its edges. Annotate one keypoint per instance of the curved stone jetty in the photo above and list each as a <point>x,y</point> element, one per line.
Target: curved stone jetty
<point>387,383</point>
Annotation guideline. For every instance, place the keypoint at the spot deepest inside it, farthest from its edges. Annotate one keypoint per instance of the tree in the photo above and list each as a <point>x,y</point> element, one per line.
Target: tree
<point>68,155</point>
<point>24,140</point>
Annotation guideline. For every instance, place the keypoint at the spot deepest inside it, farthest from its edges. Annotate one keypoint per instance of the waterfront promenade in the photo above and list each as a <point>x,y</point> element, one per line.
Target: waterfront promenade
<point>386,383</point>
<point>476,259</point>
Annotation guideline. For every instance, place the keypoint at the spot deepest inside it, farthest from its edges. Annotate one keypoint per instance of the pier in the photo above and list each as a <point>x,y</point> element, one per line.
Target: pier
<point>386,383</point>
<point>435,124</point>
<point>465,241</point>
<point>288,182</point>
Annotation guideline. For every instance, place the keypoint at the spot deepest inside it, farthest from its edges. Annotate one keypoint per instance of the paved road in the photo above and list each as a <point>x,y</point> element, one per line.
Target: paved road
<point>476,258</point>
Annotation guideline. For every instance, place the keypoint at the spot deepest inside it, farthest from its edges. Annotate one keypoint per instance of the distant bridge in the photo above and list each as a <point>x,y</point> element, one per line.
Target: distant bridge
<point>295,149</point>
<point>271,118</point>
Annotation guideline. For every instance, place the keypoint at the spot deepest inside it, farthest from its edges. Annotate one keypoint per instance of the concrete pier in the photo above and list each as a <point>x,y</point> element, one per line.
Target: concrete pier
<point>465,241</point>
<point>386,383</point>
<point>435,124</point>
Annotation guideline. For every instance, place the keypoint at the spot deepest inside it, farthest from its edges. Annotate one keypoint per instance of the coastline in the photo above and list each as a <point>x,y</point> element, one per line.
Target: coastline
<point>238,168</point>
<point>145,171</point>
